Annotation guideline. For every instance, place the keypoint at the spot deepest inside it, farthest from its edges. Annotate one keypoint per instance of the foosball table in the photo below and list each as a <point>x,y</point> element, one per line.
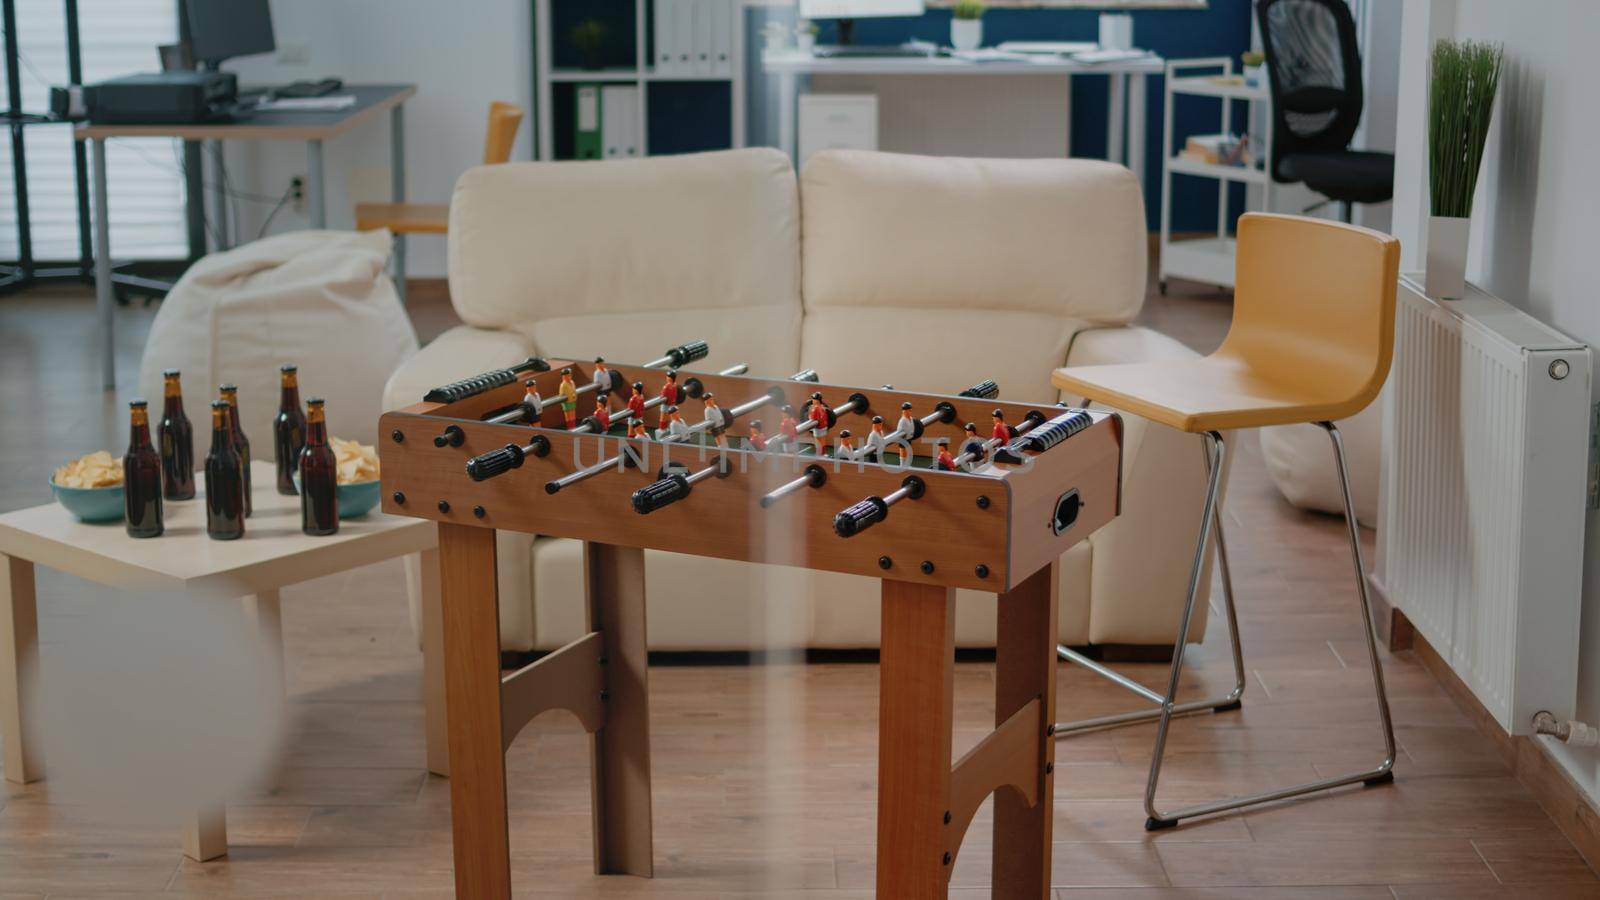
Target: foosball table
<point>627,458</point>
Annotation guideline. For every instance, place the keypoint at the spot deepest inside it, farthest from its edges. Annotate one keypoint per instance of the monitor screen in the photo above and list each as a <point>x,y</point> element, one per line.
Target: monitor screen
<point>223,29</point>
<point>858,9</point>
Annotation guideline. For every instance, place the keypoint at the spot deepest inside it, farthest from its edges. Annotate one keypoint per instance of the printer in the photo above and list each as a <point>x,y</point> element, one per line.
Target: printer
<point>162,98</point>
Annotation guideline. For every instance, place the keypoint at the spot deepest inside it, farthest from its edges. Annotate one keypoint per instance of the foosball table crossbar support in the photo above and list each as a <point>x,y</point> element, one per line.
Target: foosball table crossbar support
<point>570,678</point>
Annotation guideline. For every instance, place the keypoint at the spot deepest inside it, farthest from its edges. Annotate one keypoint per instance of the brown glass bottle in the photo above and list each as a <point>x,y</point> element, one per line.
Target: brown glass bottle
<point>141,476</point>
<point>177,442</point>
<point>241,444</point>
<point>224,483</point>
<point>288,430</point>
<point>319,476</point>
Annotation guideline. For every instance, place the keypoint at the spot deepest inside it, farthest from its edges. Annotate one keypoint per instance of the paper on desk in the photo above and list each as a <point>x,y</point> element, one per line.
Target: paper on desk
<point>989,54</point>
<point>329,103</point>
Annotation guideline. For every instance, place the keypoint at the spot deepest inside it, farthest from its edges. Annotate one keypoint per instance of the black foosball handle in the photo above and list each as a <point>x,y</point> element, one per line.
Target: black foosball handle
<point>983,390</point>
<point>661,493</point>
<point>684,354</point>
<point>477,384</point>
<point>1043,437</point>
<point>499,462</point>
<point>858,517</point>
<point>806,375</point>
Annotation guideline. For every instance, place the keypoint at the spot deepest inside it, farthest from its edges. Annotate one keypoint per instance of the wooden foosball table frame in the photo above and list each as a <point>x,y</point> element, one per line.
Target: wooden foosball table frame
<point>998,528</point>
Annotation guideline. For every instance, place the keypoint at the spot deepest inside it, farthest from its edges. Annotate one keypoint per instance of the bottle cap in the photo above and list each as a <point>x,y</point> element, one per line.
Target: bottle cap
<point>139,403</point>
<point>220,404</point>
<point>286,368</point>
<point>170,373</point>
<point>314,401</point>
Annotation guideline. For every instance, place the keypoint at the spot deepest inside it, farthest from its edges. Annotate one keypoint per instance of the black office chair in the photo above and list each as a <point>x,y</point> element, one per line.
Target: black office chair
<point>1314,69</point>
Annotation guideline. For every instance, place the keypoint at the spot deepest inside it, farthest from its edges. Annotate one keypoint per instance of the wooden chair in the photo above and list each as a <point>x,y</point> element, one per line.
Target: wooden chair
<point>434,218</point>
<point>1311,341</point>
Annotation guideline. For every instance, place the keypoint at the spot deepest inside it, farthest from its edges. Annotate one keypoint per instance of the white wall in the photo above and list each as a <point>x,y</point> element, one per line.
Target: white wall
<point>1536,217</point>
<point>460,56</point>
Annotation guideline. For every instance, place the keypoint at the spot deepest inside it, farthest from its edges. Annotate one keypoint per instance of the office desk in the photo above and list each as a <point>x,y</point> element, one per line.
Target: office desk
<point>311,127</point>
<point>1127,92</point>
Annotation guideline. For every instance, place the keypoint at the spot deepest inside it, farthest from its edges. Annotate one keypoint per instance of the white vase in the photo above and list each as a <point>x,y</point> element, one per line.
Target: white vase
<point>966,34</point>
<point>1446,276</point>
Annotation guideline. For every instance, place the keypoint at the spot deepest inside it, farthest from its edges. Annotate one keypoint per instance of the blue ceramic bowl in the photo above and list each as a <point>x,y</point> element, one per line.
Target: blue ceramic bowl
<point>101,504</point>
<point>358,499</point>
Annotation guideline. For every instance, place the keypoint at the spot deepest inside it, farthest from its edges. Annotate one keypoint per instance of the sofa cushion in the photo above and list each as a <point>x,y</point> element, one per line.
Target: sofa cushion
<point>545,240</point>
<point>1062,237</point>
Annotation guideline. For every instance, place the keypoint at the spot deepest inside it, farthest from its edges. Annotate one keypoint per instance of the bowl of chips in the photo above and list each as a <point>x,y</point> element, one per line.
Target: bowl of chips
<point>90,487</point>
<point>358,488</point>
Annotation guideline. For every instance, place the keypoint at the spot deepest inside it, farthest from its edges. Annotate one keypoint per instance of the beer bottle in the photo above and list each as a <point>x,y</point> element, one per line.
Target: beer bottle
<point>141,476</point>
<point>319,476</point>
<point>288,430</point>
<point>177,442</point>
<point>224,483</point>
<point>241,444</point>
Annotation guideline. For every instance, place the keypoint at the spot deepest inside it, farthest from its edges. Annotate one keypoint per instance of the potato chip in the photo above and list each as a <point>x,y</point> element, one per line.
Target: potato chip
<point>356,462</point>
<point>93,470</point>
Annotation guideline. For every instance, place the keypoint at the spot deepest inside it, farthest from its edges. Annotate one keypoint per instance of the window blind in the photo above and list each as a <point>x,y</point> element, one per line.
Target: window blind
<point>144,175</point>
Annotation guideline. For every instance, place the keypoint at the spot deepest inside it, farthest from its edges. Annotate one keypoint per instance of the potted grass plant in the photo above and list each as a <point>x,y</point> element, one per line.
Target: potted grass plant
<point>589,37</point>
<point>966,24</point>
<point>1463,78</point>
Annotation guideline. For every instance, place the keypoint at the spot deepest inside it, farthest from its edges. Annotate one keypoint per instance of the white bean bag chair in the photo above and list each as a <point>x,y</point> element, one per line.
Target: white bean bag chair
<point>1300,462</point>
<point>319,299</point>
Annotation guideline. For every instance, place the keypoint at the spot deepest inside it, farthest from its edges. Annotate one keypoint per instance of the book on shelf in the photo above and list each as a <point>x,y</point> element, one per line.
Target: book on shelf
<point>1218,149</point>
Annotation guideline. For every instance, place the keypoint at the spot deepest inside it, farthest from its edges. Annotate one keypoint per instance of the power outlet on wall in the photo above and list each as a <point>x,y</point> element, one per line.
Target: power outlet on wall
<point>297,193</point>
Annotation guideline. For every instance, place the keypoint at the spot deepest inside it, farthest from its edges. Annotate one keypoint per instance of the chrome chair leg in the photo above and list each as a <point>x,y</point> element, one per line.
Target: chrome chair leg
<point>1225,703</point>
<point>1383,773</point>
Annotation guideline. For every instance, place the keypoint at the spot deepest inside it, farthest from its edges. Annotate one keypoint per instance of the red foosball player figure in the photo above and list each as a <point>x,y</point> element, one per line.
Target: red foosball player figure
<point>972,444</point>
<point>844,449</point>
<point>789,429</point>
<point>945,462</point>
<point>602,375</point>
<point>758,438</point>
<point>1002,432</point>
<point>636,401</point>
<point>569,398</point>
<point>669,394</point>
<point>906,428</point>
<point>532,401</point>
<point>818,412</point>
<point>602,411</point>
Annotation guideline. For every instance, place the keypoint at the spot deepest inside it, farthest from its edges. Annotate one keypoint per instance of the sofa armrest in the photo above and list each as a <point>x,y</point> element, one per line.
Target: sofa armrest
<point>1142,558</point>
<point>459,353</point>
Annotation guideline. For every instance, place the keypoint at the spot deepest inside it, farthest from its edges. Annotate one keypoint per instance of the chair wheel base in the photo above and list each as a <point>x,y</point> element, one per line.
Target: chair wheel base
<point>1230,707</point>
<point>1158,824</point>
<point>1385,778</point>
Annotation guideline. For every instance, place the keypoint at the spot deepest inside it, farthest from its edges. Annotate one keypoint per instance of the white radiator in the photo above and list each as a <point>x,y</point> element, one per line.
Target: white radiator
<point>1485,483</point>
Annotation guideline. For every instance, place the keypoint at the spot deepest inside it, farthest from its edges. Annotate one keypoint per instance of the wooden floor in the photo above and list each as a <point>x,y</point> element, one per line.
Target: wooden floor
<point>764,775</point>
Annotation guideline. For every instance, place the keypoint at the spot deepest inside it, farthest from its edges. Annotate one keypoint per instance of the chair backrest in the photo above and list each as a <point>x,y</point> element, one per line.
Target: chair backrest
<point>1314,73</point>
<point>968,268</point>
<point>1313,306</point>
<point>504,119</point>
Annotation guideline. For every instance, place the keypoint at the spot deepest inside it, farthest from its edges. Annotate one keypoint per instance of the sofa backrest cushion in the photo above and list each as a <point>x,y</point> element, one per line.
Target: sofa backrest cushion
<point>1063,237</point>
<point>684,243</point>
<point>935,273</point>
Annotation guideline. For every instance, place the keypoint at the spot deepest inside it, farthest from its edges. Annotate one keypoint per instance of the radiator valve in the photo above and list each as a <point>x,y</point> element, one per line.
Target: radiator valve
<point>1573,733</point>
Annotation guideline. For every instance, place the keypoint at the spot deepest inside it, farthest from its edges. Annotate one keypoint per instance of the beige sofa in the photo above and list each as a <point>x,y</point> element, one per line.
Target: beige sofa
<point>930,274</point>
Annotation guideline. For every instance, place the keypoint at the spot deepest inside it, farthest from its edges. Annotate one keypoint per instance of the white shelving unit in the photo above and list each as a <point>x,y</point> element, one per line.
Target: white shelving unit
<point>642,74</point>
<point>1208,259</point>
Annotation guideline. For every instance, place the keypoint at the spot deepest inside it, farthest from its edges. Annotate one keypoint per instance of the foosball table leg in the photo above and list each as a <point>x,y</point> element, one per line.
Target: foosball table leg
<point>1025,669</point>
<point>915,710</point>
<point>471,619</point>
<point>619,752</point>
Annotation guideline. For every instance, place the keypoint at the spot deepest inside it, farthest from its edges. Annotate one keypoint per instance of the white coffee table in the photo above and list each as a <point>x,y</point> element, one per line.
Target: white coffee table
<point>272,554</point>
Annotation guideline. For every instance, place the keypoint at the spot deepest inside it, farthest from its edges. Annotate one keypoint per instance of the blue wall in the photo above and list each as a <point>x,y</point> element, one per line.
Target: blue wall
<point>688,116</point>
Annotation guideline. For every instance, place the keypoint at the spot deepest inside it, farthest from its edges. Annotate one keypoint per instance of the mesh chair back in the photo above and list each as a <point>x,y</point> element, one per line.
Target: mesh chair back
<point>1314,70</point>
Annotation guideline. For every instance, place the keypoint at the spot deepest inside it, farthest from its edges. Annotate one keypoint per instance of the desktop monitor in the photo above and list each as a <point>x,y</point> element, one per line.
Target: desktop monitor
<point>858,9</point>
<point>223,29</point>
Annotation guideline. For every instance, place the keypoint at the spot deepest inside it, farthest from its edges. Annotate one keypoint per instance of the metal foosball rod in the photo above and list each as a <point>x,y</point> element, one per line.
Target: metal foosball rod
<point>775,395</point>
<point>692,388</point>
<point>687,352</point>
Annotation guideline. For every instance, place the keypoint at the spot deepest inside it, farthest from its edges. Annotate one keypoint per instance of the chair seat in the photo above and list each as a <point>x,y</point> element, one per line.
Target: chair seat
<point>1354,176</point>
<point>1217,393</point>
<point>403,218</point>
